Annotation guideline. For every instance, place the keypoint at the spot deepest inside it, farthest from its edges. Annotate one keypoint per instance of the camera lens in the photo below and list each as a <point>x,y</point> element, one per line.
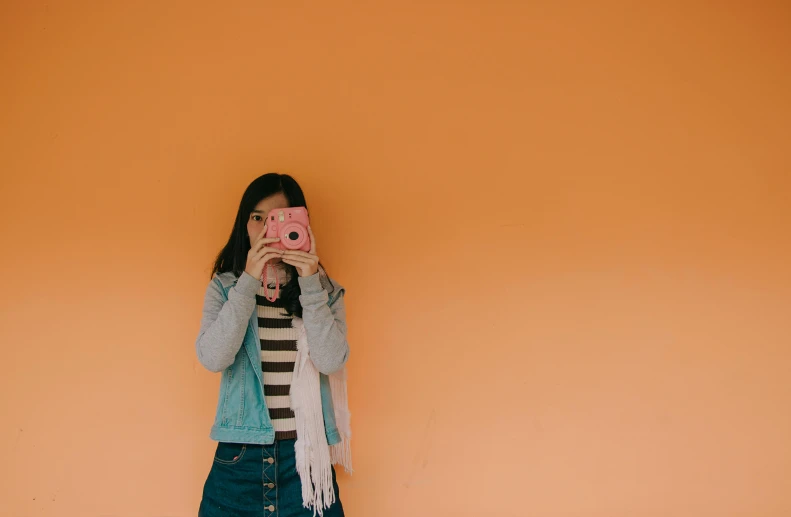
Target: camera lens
<point>293,236</point>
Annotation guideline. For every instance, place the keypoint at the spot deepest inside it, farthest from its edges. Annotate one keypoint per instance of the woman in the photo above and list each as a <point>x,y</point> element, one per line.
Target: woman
<point>282,415</point>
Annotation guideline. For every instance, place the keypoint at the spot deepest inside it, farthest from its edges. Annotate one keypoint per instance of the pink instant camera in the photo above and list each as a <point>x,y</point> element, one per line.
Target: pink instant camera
<point>291,226</point>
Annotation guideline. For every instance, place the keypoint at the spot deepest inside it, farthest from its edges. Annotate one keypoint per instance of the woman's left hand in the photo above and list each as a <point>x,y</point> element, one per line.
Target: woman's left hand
<point>307,264</point>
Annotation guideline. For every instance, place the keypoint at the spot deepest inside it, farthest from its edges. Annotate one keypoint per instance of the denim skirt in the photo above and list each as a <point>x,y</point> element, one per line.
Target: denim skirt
<point>258,481</point>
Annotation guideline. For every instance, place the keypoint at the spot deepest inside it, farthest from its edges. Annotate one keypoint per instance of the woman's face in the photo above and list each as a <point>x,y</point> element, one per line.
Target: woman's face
<point>257,221</point>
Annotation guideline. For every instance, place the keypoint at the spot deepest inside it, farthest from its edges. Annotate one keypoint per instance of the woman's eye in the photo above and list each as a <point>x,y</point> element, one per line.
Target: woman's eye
<point>257,218</point>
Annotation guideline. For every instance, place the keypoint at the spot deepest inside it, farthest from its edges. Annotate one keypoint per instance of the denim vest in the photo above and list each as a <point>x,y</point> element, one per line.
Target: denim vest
<point>242,415</point>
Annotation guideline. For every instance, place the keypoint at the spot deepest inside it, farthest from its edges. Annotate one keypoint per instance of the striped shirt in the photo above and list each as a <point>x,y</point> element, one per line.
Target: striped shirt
<point>278,354</point>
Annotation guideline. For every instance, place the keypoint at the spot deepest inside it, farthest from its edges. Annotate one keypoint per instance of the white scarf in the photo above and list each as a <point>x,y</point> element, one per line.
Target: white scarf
<point>314,456</point>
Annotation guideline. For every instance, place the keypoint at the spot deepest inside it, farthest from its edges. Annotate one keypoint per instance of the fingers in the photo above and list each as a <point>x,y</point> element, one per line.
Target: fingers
<point>264,242</point>
<point>312,241</point>
<point>260,235</point>
<point>305,266</point>
<point>269,256</point>
<point>261,261</point>
<point>298,265</point>
<point>267,251</point>
<point>259,245</point>
<point>298,260</point>
<point>297,253</point>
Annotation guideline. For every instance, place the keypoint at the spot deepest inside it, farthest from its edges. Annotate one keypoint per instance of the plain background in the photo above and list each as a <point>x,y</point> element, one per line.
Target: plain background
<point>563,226</point>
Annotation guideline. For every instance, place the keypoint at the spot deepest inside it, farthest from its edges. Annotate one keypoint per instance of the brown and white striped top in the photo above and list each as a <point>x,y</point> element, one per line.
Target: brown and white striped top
<point>278,353</point>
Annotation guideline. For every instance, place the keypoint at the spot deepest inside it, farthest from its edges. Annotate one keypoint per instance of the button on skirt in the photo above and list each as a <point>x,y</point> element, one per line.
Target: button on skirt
<point>258,480</point>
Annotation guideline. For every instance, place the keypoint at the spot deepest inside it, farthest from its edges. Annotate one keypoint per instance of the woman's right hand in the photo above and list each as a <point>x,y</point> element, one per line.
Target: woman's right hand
<point>260,254</point>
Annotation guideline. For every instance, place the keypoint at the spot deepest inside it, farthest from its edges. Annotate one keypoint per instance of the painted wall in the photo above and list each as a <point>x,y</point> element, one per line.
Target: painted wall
<point>564,230</point>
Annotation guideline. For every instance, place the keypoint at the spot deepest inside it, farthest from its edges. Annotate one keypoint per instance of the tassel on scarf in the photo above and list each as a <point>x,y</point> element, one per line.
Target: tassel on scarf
<point>314,457</point>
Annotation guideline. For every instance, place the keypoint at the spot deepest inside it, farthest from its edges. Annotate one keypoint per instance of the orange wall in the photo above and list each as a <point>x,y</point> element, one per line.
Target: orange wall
<point>564,233</point>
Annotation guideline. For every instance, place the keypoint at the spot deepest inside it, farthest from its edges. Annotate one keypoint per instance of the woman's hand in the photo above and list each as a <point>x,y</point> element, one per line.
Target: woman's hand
<point>260,254</point>
<point>307,264</point>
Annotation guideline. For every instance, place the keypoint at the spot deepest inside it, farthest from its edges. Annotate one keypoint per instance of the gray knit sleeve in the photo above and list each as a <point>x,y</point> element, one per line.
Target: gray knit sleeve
<point>325,324</point>
<point>224,323</point>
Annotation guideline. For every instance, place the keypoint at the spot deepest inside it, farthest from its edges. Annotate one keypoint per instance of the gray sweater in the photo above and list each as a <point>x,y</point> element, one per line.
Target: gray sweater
<point>224,323</point>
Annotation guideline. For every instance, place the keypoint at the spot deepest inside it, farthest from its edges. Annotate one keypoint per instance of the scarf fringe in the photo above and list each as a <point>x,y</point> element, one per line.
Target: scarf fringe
<point>314,456</point>
<point>341,453</point>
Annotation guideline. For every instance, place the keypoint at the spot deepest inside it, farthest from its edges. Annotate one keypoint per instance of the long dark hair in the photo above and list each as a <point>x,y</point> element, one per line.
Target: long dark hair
<point>233,256</point>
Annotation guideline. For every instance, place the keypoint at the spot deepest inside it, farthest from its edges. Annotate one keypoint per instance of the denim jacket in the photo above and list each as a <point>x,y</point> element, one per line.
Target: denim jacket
<point>230,318</point>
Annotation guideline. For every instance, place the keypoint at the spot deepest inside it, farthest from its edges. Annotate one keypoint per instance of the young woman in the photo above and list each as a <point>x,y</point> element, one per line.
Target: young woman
<point>282,416</point>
